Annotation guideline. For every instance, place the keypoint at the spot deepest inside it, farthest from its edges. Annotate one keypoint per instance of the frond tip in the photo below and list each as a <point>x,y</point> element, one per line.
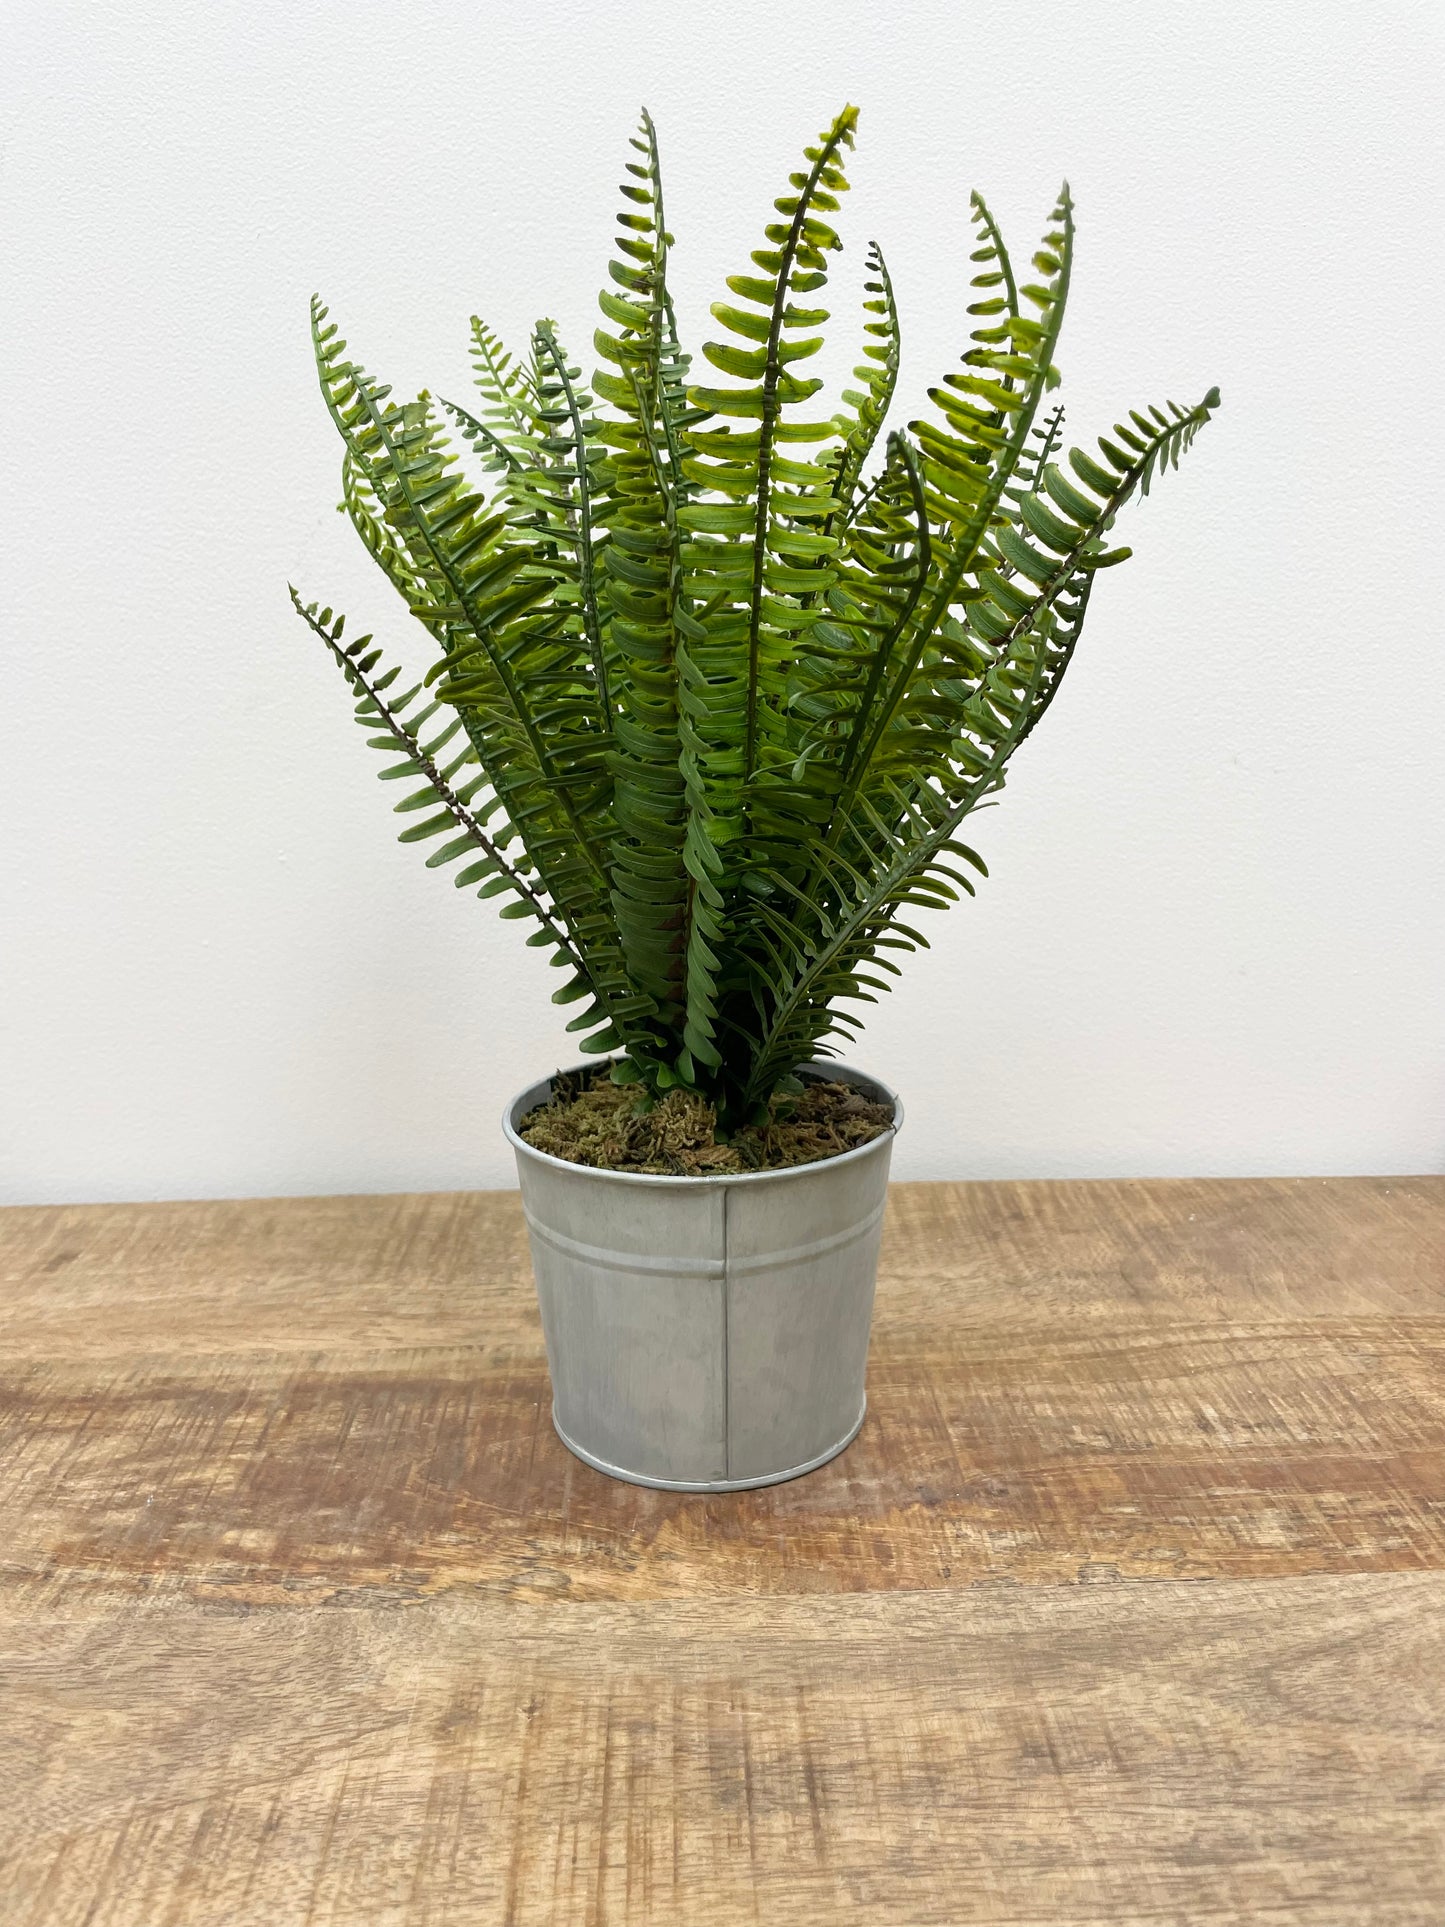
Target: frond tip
<point>719,671</point>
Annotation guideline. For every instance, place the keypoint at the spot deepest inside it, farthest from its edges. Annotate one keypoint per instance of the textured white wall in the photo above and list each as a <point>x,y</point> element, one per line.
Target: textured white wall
<point>1213,938</point>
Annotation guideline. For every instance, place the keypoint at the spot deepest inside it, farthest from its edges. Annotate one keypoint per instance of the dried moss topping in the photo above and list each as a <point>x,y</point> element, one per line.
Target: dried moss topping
<point>590,1120</point>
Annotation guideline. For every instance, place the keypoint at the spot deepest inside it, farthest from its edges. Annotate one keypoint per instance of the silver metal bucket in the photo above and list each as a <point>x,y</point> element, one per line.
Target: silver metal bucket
<point>707,1334</point>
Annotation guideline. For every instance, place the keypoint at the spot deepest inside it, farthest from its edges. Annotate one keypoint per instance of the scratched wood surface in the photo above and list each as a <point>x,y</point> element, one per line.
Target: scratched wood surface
<point>1127,1606</point>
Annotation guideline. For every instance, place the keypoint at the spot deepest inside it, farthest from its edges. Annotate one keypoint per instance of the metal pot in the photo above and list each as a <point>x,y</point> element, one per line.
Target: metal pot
<point>707,1334</point>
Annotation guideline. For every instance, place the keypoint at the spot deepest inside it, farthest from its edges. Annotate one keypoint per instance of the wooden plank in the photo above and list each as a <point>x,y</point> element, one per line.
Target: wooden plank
<point>384,1273</point>
<point>372,1274</point>
<point>305,1615</point>
<point>1111,1454</point>
<point>303,1398</point>
<point>1250,1753</point>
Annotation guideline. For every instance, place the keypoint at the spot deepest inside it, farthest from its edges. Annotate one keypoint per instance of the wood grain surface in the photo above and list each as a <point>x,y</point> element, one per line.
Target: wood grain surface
<point>1127,1606</point>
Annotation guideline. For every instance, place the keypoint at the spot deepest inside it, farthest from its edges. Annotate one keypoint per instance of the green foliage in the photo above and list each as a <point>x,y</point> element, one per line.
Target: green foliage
<point>710,702</point>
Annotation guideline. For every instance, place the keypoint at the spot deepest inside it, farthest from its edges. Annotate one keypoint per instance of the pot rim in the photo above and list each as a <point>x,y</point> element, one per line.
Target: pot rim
<point>833,1068</point>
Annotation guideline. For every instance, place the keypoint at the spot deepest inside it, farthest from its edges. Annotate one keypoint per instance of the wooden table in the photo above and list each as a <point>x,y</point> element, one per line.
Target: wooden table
<point>1127,1606</point>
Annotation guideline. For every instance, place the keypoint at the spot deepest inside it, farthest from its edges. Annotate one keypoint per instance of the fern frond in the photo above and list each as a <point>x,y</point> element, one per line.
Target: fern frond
<point>664,867</point>
<point>710,703</point>
<point>509,394</point>
<point>869,404</point>
<point>892,830</point>
<point>496,454</point>
<point>396,723</point>
<point>777,509</point>
<point>994,270</point>
<point>916,829</point>
<point>1033,461</point>
<point>1058,538</point>
<point>965,477</point>
<point>527,701</point>
<point>566,488</point>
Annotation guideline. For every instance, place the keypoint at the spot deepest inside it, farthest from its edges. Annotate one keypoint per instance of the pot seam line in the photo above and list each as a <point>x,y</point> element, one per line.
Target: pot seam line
<point>727,1311</point>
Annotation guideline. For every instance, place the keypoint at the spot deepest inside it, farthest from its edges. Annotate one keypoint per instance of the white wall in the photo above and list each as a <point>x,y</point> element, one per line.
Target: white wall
<point>1214,935</point>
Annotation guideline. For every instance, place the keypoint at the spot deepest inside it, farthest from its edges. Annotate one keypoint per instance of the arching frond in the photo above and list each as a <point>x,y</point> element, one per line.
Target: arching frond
<point>866,407</point>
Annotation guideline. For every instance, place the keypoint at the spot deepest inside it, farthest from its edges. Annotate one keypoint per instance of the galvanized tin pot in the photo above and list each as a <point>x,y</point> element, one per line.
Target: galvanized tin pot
<point>707,1334</point>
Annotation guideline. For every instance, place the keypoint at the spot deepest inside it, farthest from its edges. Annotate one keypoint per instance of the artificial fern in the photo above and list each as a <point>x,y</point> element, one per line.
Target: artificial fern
<point>711,700</point>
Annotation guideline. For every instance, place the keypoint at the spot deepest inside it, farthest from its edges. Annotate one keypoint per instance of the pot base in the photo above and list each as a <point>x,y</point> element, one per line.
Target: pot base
<point>710,1485</point>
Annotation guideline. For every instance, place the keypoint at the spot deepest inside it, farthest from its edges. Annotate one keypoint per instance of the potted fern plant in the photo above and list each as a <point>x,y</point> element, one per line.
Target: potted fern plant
<point>718,676</point>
